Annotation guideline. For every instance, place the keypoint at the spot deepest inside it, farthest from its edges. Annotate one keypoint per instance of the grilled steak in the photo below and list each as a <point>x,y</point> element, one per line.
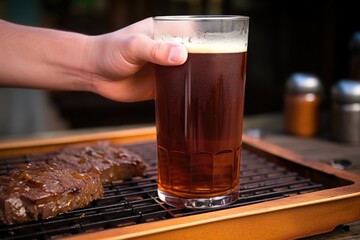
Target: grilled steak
<point>40,191</point>
<point>58,182</point>
<point>112,162</point>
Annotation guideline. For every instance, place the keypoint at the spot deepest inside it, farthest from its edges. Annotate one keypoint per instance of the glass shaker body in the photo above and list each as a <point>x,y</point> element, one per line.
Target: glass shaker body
<point>302,102</point>
<point>301,114</point>
<point>345,113</point>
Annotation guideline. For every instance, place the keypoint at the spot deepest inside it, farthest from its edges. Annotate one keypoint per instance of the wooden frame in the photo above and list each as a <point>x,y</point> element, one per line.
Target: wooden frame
<point>286,218</point>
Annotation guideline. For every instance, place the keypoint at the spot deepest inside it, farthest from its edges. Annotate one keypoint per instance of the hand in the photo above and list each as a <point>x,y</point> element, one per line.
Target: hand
<point>122,63</point>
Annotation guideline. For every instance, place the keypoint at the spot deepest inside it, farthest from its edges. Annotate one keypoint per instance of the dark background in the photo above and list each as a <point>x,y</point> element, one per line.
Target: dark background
<point>285,37</point>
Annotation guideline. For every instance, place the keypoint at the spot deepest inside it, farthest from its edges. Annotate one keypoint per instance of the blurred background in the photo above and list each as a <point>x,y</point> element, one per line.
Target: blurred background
<point>285,37</point>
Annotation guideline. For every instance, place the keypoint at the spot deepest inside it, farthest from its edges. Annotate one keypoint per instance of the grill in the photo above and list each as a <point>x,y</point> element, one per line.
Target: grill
<point>264,178</point>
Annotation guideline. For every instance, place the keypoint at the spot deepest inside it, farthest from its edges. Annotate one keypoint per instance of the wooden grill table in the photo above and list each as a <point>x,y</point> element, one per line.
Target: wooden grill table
<point>331,153</point>
<point>314,149</point>
<point>289,217</point>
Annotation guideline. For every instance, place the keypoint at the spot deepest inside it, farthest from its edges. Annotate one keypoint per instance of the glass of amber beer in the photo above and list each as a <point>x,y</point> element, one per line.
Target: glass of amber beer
<point>199,110</point>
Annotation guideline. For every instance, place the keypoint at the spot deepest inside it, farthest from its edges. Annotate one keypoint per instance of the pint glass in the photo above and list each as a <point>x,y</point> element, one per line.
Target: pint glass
<point>199,110</point>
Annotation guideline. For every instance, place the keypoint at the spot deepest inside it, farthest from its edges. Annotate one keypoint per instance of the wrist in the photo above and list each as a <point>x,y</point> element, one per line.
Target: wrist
<point>90,67</point>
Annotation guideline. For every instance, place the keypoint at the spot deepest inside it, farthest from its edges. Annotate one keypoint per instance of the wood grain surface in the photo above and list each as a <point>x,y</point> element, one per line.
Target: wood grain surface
<point>311,149</point>
<point>328,151</point>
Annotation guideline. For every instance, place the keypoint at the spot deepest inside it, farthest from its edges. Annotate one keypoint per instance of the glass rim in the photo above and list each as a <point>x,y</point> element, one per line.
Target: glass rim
<point>199,17</point>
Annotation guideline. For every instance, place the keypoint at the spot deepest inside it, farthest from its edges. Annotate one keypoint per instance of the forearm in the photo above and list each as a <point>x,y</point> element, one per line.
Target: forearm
<point>117,65</point>
<point>41,58</point>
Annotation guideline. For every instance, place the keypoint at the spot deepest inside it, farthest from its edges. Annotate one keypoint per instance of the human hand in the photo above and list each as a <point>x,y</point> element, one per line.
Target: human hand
<point>121,63</point>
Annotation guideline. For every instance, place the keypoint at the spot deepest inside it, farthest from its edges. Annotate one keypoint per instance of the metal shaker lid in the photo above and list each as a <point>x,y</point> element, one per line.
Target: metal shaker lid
<point>303,83</point>
<point>346,91</point>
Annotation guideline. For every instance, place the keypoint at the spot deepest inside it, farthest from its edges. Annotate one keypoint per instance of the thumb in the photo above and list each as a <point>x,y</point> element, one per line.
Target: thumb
<point>167,53</point>
<point>149,50</point>
<point>177,54</point>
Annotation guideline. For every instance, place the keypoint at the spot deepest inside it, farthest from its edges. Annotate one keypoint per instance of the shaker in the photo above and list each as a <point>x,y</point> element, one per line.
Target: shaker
<point>302,100</point>
<point>345,125</point>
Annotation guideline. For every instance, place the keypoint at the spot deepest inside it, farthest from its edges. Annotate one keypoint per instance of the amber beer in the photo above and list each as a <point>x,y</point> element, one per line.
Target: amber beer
<point>199,115</point>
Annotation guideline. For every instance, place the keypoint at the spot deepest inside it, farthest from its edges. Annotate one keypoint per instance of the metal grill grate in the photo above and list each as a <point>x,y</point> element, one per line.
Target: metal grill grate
<point>133,202</point>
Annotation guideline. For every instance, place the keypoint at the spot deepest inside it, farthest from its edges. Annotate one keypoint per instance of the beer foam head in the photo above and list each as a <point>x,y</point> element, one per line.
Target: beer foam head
<point>204,34</point>
<point>209,44</point>
<point>217,47</point>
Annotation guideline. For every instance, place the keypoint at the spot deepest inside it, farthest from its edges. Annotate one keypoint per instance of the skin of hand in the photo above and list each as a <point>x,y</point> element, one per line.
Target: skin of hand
<point>124,62</point>
<point>118,65</point>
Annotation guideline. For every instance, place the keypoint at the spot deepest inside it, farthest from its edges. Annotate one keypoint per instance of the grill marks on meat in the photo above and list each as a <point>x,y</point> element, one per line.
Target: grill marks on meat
<point>113,163</point>
<point>41,191</point>
<point>60,182</point>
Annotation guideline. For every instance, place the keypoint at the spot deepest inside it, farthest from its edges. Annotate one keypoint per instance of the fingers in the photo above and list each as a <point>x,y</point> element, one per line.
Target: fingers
<point>142,48</point>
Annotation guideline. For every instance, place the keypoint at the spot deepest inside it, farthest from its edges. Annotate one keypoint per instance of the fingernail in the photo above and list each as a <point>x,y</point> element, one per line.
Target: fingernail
<point>177,54</point>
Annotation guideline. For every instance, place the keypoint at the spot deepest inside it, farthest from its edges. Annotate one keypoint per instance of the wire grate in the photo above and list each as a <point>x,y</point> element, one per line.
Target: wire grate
<point>127,203</point>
